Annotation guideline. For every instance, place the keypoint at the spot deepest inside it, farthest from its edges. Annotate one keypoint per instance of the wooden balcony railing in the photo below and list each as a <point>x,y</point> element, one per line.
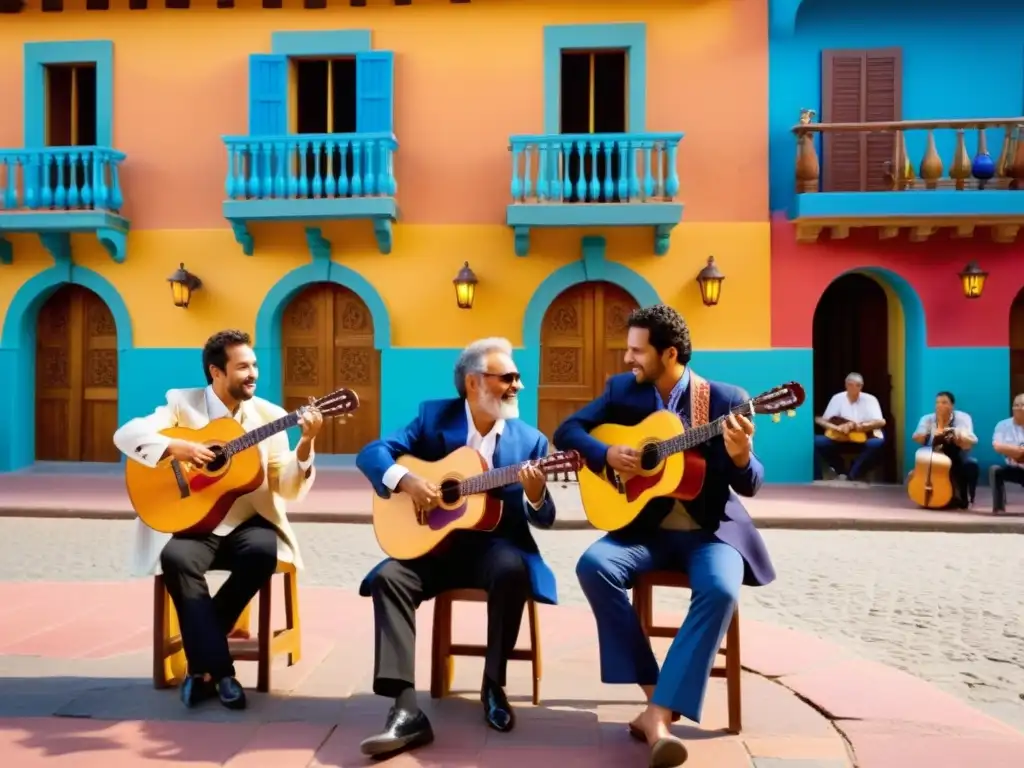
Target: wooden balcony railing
<point>881,150</point>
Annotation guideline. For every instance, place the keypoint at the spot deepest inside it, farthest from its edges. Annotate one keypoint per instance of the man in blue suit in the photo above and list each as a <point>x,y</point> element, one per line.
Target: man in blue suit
<point>711,538</point>
<point>505,562</point>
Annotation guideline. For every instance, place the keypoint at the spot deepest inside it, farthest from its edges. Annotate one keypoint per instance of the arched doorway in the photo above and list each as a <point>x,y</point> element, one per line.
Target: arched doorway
<point>1017,345</point>
<point>851,333</point>
<point>76,378</point>
<point>327,343</point>
<point>583,340</point>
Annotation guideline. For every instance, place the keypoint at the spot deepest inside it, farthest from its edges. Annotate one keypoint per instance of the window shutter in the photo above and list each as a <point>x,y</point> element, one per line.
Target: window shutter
<point>375,83</point>
<point>859,87</point>
<point>268,94</point>
<point>882,104</point>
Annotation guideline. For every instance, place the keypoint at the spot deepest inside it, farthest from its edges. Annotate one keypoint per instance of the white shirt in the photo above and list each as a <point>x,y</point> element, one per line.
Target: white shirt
<point>242,509</point>
<point>483,444</point>
<point>962,422</point>
<point>1009,432</point>
<point>865,408</point>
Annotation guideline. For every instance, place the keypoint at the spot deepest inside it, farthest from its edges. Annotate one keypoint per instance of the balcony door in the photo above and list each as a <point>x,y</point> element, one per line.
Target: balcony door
<point>859,87</point>
<point>583,341</point>
<point>594,98</point>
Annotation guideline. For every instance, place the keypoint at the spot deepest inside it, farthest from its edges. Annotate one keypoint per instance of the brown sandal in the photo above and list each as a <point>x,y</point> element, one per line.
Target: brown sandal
<point>638,734</point>
<point>668,753</point>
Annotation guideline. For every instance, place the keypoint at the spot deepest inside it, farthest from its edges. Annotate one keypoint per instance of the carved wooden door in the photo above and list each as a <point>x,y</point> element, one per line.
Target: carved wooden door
<point>327,343</point>
<point>583,341</point>
<point>76,378</point>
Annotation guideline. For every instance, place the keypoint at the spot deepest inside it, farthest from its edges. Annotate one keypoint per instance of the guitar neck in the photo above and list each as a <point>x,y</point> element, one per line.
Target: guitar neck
<point>258,435</point>
<point>695,436</point>
<point>494,478</point>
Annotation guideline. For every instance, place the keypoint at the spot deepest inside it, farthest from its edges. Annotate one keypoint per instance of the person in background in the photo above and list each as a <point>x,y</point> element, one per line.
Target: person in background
<point>945,418</point>
<point>851,411</point>
<point>1008,440</point>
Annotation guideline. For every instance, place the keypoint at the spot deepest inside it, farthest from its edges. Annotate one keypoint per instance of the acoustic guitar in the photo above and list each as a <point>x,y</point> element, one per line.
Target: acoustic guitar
<point>464,481</point>
<point>178,497</point>
<point>668,464</point>
<point>930,482</point>
<point>844,437</point>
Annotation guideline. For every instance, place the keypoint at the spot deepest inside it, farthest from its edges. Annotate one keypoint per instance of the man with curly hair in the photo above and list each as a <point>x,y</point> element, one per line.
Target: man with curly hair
<point>711,538</point>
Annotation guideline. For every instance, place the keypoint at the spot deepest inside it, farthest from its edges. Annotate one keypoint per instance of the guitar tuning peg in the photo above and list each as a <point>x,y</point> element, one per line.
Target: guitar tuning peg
<point>791,413</point>
<point>776,417</point>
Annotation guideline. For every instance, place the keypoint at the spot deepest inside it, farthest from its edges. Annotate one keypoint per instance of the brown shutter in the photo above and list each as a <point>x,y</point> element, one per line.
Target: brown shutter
<point>859,87</point>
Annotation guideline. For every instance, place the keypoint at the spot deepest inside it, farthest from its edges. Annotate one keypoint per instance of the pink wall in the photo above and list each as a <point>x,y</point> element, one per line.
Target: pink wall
<point>801,273</point>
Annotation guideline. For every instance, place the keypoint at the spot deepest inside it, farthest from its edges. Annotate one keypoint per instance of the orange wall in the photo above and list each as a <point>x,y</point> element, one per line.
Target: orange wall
<point>466,77</point>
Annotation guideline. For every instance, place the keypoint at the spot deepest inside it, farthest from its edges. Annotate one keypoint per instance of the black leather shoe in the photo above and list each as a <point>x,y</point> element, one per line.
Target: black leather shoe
<point>230,693</point>
<point>497,711</point>
<point>403,730</point>
<point>195,690</point>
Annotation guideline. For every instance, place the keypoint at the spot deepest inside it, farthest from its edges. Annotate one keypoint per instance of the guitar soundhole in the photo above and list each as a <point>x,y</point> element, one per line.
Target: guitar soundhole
<point>649,459</point>
<point>219,459</point>
<point>450,492</point>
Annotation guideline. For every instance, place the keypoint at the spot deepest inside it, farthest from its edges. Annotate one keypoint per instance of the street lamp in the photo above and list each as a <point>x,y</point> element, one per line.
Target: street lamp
<point>710,282</point>
<point>972,278</point>
<point>183,284</point>
<point>465,287</point>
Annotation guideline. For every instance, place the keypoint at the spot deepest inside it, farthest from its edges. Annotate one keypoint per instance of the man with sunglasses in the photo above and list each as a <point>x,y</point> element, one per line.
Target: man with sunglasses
<point>505,562</point>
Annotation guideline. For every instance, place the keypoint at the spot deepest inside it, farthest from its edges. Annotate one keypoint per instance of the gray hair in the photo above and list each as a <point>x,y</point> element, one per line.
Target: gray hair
<point>856,378</point>
<point>472,359</point>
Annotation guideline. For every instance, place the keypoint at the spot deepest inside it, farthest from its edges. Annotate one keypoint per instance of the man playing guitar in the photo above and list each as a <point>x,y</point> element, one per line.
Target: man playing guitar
<point>1008,441</point>
<point>251,538</point>
<point>505,562</point>
<point>953,432</point>
<point>711,538</point>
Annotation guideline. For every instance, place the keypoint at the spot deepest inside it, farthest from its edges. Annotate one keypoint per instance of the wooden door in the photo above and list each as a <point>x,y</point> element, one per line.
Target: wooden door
<point>851,334</point>
<point>327,343</point>
<point>859,87</point>
<point>583,341</point>
<point>76,378</point>
<point>1017,346</point>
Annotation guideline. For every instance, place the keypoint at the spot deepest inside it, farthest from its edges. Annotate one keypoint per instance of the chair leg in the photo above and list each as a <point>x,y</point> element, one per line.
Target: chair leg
<point>160,632</point>
<point>265,636</point>
<point>733,672</point>
<point>446,645</point>
<point>531,606</point>
<point>292,618</point>
<point>438,652</point>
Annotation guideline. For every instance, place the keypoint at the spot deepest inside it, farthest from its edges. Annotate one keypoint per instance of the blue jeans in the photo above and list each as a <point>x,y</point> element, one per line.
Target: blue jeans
<point>828,451</point>
<point>607,570</point>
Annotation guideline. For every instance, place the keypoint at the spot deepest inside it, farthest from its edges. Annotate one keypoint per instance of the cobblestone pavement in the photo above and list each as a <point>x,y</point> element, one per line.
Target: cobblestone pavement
<point>948,608</point>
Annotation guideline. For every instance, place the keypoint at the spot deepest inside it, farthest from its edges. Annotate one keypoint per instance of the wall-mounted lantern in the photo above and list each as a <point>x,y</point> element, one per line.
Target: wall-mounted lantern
<point>972,278</point>
<point>710,282</point>
<point>183,285</point>
<point>465,287</point>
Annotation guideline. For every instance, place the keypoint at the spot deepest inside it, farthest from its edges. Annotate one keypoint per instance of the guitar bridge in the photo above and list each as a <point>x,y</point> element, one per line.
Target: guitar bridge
<point>179,477</point>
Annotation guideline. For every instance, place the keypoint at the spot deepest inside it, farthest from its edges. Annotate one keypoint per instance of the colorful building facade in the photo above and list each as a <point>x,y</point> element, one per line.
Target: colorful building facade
<point>327,171</point>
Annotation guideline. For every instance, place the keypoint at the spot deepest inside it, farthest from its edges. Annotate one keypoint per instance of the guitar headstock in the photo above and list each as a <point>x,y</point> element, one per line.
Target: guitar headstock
<point>561,462</point>
<point>341,402</point>
<point>786,397</point>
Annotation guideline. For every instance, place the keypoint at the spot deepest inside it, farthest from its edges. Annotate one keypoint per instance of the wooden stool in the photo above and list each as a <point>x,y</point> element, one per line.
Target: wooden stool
<point>169,663</point>
<point>443,652</point>
<point>643,604</point>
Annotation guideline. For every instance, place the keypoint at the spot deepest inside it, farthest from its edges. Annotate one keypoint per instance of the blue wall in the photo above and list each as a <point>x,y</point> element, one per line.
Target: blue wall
<point>959,61</point>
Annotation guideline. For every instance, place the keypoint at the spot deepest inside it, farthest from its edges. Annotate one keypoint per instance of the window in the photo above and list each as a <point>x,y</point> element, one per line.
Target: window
<point>71,105</point>
<point>593,99</point>
<point>325,102</point>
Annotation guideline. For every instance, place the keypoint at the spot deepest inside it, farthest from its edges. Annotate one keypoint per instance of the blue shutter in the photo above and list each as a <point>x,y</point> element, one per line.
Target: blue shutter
<point>375,90</point>
<point>268,94</point>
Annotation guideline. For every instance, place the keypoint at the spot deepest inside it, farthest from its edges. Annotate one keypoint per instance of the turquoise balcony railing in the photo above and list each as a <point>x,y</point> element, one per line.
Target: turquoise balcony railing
<point>599,179</point>
<point>82,184</point>
<point>311,176</point>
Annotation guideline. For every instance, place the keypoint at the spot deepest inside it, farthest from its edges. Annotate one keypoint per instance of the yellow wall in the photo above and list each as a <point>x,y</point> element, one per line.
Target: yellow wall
<point>415,281</point>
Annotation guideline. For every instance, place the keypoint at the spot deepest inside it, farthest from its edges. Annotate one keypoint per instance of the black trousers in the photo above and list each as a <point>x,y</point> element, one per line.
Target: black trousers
<point>469,561</point>
<point>998,477</point>
<point>964,474</point>
<point>250,553</point>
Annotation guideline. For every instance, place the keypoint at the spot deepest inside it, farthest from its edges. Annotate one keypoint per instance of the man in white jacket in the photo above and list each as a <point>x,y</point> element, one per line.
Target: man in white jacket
<point>252,537</point>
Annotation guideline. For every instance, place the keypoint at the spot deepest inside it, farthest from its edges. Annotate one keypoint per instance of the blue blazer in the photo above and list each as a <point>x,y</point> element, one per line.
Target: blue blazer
<point>717,509</point>
<point>441,427</point>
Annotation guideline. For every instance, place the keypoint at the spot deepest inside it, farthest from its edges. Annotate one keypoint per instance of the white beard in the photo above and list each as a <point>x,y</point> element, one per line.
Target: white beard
<point>500,408</point>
